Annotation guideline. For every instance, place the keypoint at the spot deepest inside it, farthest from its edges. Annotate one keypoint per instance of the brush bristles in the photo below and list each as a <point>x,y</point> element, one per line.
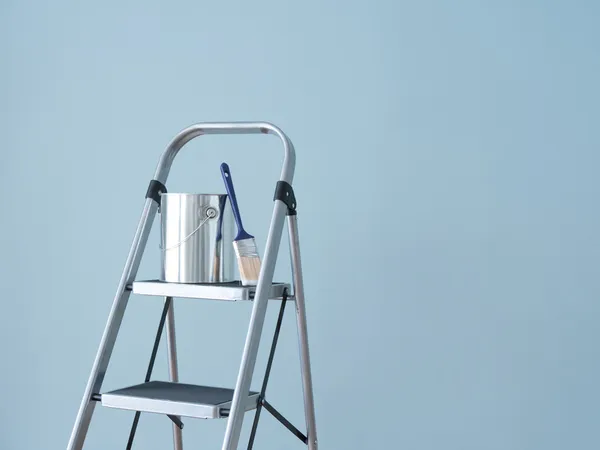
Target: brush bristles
<point>248,261</point>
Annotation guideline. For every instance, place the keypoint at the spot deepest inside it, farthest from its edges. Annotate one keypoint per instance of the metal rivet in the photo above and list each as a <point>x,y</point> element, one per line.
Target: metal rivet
<point>211,212</point>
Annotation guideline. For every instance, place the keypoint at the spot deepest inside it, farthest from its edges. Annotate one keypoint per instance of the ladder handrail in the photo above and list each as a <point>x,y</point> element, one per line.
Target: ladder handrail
<point>205,128</point>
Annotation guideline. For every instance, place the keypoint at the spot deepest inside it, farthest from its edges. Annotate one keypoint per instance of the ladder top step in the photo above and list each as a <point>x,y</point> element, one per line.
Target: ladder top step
<point>233,291</point>
<point>177,399</point>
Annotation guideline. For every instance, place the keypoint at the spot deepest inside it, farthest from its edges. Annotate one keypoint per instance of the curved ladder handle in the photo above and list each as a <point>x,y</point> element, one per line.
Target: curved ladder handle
<point>206,128</point>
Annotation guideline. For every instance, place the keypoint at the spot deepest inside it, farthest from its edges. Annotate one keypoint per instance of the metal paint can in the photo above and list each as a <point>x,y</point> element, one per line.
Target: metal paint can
<point>196,236</point>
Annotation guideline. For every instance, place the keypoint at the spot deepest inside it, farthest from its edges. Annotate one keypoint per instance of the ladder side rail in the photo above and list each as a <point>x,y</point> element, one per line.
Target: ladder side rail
<point>298,285</point>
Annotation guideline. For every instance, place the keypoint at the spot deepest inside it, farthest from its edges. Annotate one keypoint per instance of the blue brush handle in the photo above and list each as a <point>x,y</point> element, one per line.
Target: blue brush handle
<point>222,202</point>
<point>234,206</point>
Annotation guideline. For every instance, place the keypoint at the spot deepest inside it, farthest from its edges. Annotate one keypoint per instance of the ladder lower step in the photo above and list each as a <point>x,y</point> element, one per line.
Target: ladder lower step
<point>177,399</point>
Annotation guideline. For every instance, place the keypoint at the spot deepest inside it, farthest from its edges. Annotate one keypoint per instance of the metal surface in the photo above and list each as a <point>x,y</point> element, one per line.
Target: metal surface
<point>257,319</point>
<point>161,325</point>
<point>173,368</point>
<point>227,291</point>
<point>177,399</point>
<point>286,423</point>
<point>307,387</point>
<point>191,241</point>
<point>115,317</point>
<point>107,342</point>
<point>176,421</point>
<point>263,389</point>
<point>206,128</point>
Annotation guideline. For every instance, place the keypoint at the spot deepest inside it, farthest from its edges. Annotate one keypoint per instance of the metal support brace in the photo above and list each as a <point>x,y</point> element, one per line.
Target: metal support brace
<point>262,402</point>
<point>263,389</point>
<point>173,374</point>
<point>286,423</point>
<point>161,325</point>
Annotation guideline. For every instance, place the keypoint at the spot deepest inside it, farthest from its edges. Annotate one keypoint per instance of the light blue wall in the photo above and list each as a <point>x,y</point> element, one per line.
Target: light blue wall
<point>448,191</point>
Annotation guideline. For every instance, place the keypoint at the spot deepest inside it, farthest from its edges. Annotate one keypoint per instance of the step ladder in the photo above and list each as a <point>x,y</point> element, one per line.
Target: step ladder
<point>175,399</point>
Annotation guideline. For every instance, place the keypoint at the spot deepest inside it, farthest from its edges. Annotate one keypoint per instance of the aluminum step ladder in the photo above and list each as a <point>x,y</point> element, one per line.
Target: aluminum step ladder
<point>175,399</point>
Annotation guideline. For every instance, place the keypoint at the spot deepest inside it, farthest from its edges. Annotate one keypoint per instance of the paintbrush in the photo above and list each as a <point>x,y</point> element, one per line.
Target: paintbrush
<point>216,273</point>
<point>243,244</point>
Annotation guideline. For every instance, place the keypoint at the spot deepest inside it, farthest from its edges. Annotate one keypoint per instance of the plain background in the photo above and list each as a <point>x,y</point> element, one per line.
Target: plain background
<point>448,206</point>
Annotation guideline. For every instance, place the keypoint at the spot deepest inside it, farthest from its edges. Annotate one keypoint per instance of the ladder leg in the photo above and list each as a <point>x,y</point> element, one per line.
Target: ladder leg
<point>257,319</point>
<point>263,390</point>
<point>307,387</point>
<point>173,369</point>
<point>111,330</point>
<point>161,325</point>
